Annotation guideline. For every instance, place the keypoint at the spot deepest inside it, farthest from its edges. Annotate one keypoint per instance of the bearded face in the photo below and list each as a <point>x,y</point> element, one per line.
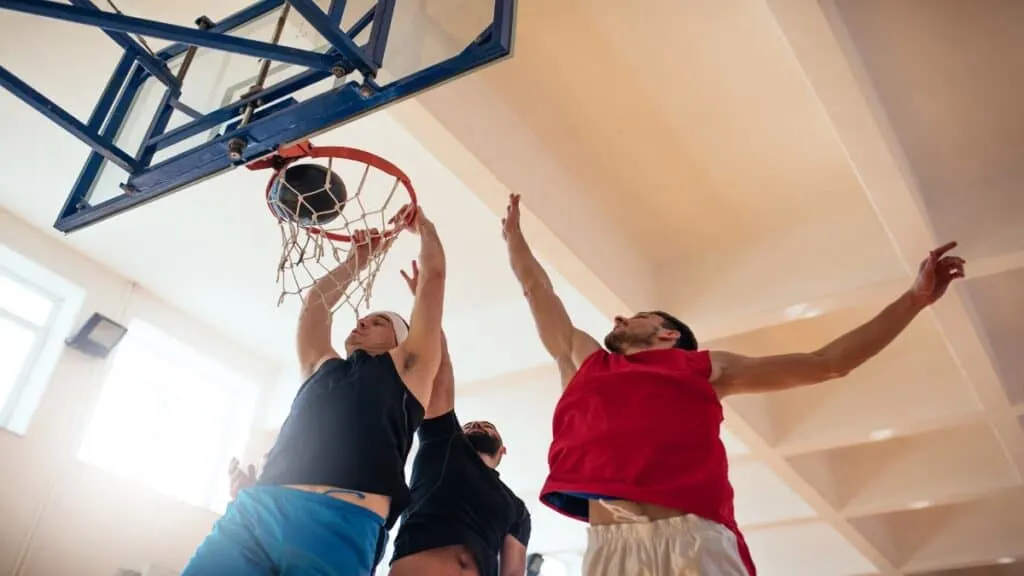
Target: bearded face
<point>639,332</point>
<point>484,438</point>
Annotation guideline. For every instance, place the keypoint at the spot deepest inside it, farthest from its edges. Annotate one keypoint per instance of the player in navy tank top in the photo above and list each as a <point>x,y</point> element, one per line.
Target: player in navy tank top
<point>334,481</point>
<point>636,447</point>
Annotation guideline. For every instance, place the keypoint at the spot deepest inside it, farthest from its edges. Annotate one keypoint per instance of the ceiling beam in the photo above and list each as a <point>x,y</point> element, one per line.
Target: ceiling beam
<point>483,142</point>
<point>823,48</point>
<point>722,325</point>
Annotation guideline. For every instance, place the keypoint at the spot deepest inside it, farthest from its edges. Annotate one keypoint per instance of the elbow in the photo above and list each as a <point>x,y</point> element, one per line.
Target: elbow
<point>432,271</point>
<point>534,285</point>
<point>829,366</point>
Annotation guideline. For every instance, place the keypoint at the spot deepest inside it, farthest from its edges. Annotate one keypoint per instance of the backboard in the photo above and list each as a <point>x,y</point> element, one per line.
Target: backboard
<point>184,104</point>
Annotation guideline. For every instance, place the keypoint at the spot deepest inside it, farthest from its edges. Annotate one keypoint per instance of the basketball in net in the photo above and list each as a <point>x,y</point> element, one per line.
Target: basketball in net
<point>324,198</point>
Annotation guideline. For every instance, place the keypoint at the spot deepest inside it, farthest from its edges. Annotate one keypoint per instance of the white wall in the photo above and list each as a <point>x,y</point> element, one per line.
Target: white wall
<point>59,516</point>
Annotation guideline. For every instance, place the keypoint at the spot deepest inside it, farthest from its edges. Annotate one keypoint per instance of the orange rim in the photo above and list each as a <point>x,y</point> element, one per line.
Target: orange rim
<point>306,150</point>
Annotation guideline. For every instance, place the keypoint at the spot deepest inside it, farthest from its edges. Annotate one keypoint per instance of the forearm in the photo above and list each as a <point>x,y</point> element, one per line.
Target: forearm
<point>328,290</point>
<point>524,264</point>
<point>860,345</point>
<point>554,326</point>
<point>432,262</point>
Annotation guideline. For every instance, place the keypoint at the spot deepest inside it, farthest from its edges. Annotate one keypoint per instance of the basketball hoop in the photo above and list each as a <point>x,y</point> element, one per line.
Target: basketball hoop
<point>319,213</point>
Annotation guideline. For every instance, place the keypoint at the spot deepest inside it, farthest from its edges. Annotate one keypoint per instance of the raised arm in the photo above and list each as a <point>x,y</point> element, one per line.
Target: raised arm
<point>442,393</point>
<point>315,319</point>
<point>419,356</point>
<point>737,374</point>
<point>566,344</point>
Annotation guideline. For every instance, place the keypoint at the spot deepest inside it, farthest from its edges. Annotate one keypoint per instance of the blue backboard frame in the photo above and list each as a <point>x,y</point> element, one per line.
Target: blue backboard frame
<point>281,121</point>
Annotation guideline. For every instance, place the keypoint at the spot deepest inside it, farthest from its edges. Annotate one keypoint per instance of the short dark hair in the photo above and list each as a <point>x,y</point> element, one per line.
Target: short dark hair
<point>686,340</point>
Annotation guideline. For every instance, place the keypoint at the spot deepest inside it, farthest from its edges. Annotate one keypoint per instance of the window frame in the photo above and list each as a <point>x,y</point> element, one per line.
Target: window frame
<point>235,430</point>
<point>19,405</point>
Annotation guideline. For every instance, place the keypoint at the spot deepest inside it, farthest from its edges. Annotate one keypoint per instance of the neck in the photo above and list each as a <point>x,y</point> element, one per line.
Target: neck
<point>491,461</point>
<point>368,350</point>
<point>627,350</point>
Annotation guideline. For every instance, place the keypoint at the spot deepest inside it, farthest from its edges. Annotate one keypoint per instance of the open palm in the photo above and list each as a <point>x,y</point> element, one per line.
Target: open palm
<point>936,273</point>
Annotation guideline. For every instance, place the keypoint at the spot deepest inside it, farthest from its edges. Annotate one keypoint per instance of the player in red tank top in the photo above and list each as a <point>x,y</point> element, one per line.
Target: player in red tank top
<point>636,448</point>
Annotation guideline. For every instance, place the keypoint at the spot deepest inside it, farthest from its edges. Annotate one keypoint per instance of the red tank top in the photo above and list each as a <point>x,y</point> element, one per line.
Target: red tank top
<point>644,427</point>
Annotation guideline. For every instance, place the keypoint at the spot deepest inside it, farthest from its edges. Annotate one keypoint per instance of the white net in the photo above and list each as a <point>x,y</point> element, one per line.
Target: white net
<point>337,219</point>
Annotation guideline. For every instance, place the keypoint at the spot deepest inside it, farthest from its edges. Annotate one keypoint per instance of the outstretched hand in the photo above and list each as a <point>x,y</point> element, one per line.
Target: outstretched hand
<point>412,279</point>
<point>240,479</point>
<point>510,223</point>
<point>936,273</point>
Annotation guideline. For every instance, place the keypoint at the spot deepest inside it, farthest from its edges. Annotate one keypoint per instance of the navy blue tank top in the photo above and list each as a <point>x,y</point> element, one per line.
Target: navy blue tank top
<point>351,426</point>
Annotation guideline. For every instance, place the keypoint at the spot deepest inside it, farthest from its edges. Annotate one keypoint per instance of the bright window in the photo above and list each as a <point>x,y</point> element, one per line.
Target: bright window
<point>170,418</point>
<point>553,567</point>
<point>25,314</point>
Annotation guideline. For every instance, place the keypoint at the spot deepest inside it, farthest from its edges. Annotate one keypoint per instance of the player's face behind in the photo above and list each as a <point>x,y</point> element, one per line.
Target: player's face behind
<point>485,439</point>
<point>649,331</point>
<point>374,334</point>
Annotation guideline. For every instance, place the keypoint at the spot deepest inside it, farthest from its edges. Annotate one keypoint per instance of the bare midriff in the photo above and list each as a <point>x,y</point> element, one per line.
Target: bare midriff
<point>454,560</point>
<point>376,503</point>
<point>600,514</point>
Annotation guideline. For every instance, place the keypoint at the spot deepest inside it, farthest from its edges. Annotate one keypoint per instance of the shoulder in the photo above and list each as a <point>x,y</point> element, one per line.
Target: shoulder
<point>699,361</point>
<point>597,357</point>
<point>443,427</point>
<point>692,362</point>
<point>522,525</point>
<point>325,367</point>
<point>517,502</point>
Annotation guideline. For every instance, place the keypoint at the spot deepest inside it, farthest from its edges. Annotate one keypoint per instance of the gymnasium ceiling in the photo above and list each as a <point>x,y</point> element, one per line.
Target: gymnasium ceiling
<point>770,170</point>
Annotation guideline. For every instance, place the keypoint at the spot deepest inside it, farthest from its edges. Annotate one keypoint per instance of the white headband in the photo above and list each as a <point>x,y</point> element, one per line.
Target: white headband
<point>398,324</point>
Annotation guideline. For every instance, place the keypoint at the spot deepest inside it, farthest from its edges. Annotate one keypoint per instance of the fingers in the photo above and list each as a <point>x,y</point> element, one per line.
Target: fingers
<point>233,466</point>
<point>409,277</point>
<point>952,266</point>
<point>403,216</point>
<point>941,250</point>
<point>370,237</point>
<point>251,470</point>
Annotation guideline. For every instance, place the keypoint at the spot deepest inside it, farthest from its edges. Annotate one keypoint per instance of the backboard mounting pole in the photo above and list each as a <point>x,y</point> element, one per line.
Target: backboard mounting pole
<point>104,146</point>
<point>202,38</point>
<point>340,41</point>
<point>152,64</point>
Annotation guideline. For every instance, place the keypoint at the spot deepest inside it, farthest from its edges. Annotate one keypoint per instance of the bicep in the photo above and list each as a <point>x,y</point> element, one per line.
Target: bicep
<point>442,393</point>
<point>552,321</point>
<point>581,348</point>
<point>583,345</point>
<point>737,374</point>
<point>313,340</point>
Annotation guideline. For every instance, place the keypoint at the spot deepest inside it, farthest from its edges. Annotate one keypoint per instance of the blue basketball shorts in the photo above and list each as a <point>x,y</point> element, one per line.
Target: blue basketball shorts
<point>276,531</point>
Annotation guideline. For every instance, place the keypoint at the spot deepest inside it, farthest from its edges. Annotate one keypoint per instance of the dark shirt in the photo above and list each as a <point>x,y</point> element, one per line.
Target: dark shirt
<point>350,426</point>
<point>458,500</point>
